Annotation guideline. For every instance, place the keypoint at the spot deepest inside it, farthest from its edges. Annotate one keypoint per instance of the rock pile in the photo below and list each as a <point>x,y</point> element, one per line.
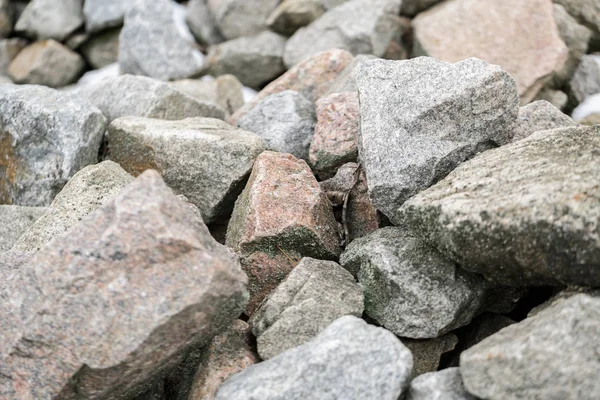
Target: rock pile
<point>299,199</point>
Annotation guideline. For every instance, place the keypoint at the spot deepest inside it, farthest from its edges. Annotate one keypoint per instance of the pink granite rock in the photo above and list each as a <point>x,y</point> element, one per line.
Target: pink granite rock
<point>520,36</point>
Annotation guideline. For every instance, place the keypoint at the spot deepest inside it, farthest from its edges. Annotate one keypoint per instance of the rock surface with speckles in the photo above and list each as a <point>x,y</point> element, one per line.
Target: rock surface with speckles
<point>14,221</point>
<point>446,384</point>
<point>540,116</point>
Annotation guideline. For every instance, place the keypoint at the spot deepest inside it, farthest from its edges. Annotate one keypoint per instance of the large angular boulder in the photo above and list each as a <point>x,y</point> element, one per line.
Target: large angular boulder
<point>85,192</point>
<point>422,117</point>
<point>14,221</point>
<point>523,214</point>
<point>540,116</point>
<point>446,384</point>
<point>348,360</point>
<point>237,18</point>
<point>205,159</point>
<point>48,19</point>
<point>139,96</point>
<point>46,136</point>
<point>291,15</point>
<point>281,216</point>
<point>409,287</point>
<point>313,295</point>
<point>108,308</point>
<point>359,26</point>
<point>152,44</point>
<point>102,14</point>
<point>548,356</point>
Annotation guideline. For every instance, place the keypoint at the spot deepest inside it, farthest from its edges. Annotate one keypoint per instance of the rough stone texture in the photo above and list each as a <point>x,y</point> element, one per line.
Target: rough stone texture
<point>586,80</point>
<point>411,8</point>
<point>548,356</point>
<point>14,221</point>
<point>202,23</point>
<point>9,48</point>
<point>520,36</point>
<point>566,293</point>
<point>586,11</point>
<point>227,354</point>
<point>108,308</point>
<point>427,353</point>
<point>557,98</point>
<point>138,96</point>
<point>336,131</point>
<point>237,18</point>
<point>359,26</point>
<point>152,44</point>
<point>443,385</point>
<point>540,116</point>
<point>205,159</point>
<point>285,120</point>
<point>524,214</point>
<point>291,15</point>
<point>85,192</point>
<point>254,60</point>
<point>46,63</point>
<point>225,91</point>
<point>422,117</point>
<point>10,262</point>
<point>102,49</point>
<point>102,14</point>
<point>50,19</point>
<point>45,137</point>
<point>346,80</point>
<point>281,216</point>
<point>313,295</point>
<point>348,360</point>
<point>311,78</point>
<point>409,287</point>
<point>6,18</point>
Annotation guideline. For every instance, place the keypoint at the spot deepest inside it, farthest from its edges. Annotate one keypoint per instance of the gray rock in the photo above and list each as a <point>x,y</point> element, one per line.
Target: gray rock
<point>285,120</point>
<point>409,287</point>
<point>49,19</point>
<point>548,356</point>
<point>104,311</point>
<point>9,48</point>
<point>557,98</point>
<point>255,60</point>
<point>10,262</point>
<point>359,26</point>
<point>152,44</point>
<point>205,159</point>
<point>346,80</point>
<point>102,49</point>
<point>46,63</point>
<point>586,11</point>
<point>313,295</point>
<point>540,116</point>
<point>226,91</point>
<point>6,18</point>
<point>202,23</point>
<point>139,96</point>
<point>443,385</point>
<point>237,18</point>
<point>422,117</point>
<point>348,360</point>
<point>85,192</point>
<point>427,353</point>
<point>14,221</point>
<point>291,15</point>
<point>566,293</point>
<point>46,137</point>
<point>410,8</point>
<point>586,80</point>
<point>102,14</point>
<point>523,214</point>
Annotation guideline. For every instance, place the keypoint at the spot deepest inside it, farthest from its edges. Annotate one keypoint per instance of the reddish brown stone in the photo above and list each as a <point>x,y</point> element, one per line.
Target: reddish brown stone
<point>334,141</point>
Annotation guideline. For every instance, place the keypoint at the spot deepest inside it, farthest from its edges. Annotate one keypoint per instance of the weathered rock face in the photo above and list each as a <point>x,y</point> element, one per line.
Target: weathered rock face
<point>102,49</point>
<point>540,116</point>
<point>313,295</point>
<point>14,221</point>
<point>359,26</point>
<point>205,159</point>
<point>225,91</point>
<point>102,14</point>
<point>48,19</point>
<point>427,353</point>
<point>311,78</point>
<point>162,53</point>
<point>285,120</point>
<point>409,287</point>
<point>291,15</point>
<point>227,354</point>
<point>586,11</point>
<point>336,131</point>
<point>85,192</point>
<point>281,216</point>
<point>120,299</point>
<point>345,81</point>
<point>254,60</point>
<point>236,18</point>
<point>547,356</point>
<point>45,137</point>
<point>202,23</point>
<point>348,360</point>
<point>520,36</point>
<point>138,96</point>
<point>422,117</point>
<point>9,48</point>
<point>46,63</point>
<point>586,80</point>
<point>523,214</point>
<point>446,384</point>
